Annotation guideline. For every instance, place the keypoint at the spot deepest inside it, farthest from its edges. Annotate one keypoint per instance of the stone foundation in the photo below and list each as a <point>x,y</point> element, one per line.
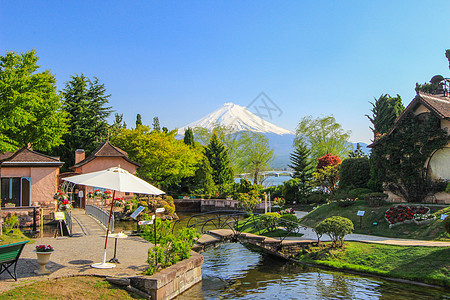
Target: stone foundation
<point>172,281</point>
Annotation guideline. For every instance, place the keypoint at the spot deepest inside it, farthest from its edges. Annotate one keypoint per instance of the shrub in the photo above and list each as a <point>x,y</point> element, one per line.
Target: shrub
<point>336,227</point>
<point>169,209</point>
<point>270,220</point>
<point>11,222</point>
<point>288,221</point>
<point>354,173</point>
<point>317,197</point>
<point>346,202</point>
<point>375,199</point>
<point>447,224</point>
<point>359,193</point>
<point>447,189</point>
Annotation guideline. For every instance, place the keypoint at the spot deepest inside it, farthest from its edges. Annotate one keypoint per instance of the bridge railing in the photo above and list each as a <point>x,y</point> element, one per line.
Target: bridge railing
<point>237,221</point>
<point>101,215</point>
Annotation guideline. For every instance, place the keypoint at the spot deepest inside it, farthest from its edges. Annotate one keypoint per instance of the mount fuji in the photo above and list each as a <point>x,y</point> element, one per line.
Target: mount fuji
<point>239,118</point>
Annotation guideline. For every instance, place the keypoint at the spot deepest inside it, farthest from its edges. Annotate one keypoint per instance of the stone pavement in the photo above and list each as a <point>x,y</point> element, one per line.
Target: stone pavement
<point>310,234</point>
<point>74,255</point>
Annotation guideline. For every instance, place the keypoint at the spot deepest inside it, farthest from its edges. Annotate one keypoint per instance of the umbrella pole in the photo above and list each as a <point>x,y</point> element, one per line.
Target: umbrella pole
<point>107,228</point>
<point>104,264</point>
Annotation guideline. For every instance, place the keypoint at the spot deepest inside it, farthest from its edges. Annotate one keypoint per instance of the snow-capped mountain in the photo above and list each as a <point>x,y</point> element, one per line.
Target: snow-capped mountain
<point>238,118</point>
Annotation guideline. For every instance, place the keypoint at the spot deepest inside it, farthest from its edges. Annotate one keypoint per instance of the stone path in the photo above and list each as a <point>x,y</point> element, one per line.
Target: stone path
<point>310,234</point>
<point>74,255</point>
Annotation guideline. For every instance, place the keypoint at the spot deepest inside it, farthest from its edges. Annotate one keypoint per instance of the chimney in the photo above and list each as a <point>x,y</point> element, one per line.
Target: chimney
<point>79,155</point>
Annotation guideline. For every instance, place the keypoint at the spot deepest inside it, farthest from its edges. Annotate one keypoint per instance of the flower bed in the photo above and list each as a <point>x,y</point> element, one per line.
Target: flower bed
<point>346,202</point>
<point>403,214</point>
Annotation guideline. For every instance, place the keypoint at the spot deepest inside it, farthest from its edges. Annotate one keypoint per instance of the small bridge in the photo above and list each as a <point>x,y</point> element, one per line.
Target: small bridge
<point>226,226</point>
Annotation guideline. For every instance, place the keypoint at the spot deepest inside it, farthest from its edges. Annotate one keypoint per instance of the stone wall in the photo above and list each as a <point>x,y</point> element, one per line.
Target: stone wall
<point>172,281</point>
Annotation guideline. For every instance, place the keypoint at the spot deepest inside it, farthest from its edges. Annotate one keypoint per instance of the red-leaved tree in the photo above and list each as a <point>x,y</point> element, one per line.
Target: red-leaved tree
<point>328,160</point>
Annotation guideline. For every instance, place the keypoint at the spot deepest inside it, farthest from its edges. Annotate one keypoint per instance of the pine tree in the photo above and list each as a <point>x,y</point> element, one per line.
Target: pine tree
<point>385,111</point>
<point>303,169</point>
<point>217,155</point>
<point>357,153</point>
<point>138,120</point>
<point>189,137</point>
<point>156,125</point>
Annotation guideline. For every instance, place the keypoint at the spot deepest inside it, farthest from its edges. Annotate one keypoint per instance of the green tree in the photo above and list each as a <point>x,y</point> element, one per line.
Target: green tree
<point>118,124</point>
<point>326,178</point>
<point>156,125</point>
<point>164,160</point>
<point>217,155</point>
<point>138,120</point>
<point>30,109</point>
<point>189,137</point>
<point>323,135</point>
<point>203,182</point>
<point>254,154</point>
<point>385,111</point>
<point>85,102</point>
<point>354,173</point>
<point>357,153</point>
<point>337,228</point>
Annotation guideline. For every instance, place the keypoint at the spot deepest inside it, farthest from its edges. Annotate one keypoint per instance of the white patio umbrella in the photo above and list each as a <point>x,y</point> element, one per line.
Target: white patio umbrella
<point>116,179</point>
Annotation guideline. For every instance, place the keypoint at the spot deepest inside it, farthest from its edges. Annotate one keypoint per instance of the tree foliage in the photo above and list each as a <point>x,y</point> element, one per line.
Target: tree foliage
<point>303,168</point>
<point>401,156</point>
<point>85,102</point>
<point>189,137</point>
<point>164,160</point>
<point>357,153</point>
<point>323,135</point>
<point>253,154</point>
<point>138,120</point>
<point>30,109</point>
<point>354,173</point>
<point>337,228</point>
<point>156,125</point>
<point>326,178</point>
<point>217,155</point>
<point>328,160</point>
<point>385,111</point>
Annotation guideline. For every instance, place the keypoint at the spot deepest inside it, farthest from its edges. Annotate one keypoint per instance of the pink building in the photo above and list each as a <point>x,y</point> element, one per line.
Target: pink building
<point>104,157</point>
<point>28,178</point>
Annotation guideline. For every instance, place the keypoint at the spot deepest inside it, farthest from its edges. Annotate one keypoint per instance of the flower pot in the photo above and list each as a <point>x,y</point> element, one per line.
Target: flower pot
<point>43,258</point>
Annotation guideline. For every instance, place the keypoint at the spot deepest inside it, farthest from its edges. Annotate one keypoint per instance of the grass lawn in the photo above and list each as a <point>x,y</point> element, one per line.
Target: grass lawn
<point>425,264</point>
<point>79,287</point>
<point>432,231</point>
<point>14,237</point>
<point>257,227</point>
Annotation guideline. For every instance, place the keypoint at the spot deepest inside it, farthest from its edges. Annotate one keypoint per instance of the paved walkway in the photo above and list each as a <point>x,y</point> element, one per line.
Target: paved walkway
<point>310,234</point>
<point>73,256</point>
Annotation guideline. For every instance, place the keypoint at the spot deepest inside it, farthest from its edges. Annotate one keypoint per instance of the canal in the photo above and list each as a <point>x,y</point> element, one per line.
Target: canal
<point>231,271</point>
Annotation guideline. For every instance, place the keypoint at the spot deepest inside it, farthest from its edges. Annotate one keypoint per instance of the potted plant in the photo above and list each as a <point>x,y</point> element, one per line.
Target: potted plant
<point>43,253</point>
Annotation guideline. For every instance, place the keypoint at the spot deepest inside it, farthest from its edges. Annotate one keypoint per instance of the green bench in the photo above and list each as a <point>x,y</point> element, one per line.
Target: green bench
<point>9,255</point>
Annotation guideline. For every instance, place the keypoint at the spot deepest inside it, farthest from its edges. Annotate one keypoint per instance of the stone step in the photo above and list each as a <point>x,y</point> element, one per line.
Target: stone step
<point>224,233</point>
<point>207,238</point>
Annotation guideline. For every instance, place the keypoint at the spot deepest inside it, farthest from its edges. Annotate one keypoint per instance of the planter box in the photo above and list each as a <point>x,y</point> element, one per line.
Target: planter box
<point>172,281</point>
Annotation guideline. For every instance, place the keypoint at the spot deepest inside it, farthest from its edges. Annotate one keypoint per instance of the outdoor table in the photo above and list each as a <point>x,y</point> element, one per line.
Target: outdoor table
<point>116,236</point>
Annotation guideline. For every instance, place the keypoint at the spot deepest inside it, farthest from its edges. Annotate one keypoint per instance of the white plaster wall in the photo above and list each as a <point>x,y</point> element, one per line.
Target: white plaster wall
<point>439,166</point>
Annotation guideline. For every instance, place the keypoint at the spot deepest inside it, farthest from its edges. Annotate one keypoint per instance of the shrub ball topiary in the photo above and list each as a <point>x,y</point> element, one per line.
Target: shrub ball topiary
<point>336,227</point>
<point>288,221</point>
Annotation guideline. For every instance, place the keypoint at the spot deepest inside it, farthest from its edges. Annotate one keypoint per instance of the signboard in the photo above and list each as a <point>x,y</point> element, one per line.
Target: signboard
<point>148,222</point>
<point>137,212</point>
<point>160,210</point>
<point>361,213</point>
<point>59,215</point>
<point>443,216</point>
<point>153,217</point>
<point>80,194</point>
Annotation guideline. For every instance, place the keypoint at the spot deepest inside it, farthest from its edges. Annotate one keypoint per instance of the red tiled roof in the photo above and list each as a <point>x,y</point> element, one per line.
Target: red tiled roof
<point>106,149</point>
<point>26,156</point>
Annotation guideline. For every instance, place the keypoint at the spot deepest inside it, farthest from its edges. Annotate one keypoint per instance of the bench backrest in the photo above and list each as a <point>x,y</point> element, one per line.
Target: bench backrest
<point>11,252</point>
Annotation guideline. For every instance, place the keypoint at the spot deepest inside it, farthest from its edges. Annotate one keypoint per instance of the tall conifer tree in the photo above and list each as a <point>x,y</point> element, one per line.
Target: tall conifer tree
<point>189,137</point>
<point>303,169</point>
<point>217,155</point>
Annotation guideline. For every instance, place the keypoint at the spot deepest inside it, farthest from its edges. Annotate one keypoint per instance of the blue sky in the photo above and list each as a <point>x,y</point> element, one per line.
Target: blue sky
<point>182,60</point>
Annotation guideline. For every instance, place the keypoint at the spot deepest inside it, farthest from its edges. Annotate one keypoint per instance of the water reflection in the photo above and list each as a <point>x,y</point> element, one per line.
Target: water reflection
<point>232,271</point>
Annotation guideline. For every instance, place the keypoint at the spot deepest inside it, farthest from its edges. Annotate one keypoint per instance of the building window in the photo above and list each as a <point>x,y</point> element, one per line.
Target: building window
<point>15,190</point>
